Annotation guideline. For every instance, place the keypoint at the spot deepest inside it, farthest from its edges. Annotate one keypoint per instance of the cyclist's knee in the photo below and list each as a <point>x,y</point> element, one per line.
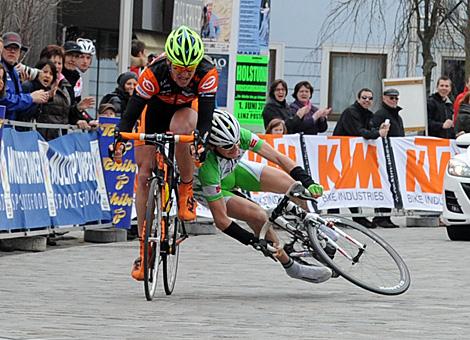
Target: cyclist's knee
<point>184,121</point>
<point>257,216</point>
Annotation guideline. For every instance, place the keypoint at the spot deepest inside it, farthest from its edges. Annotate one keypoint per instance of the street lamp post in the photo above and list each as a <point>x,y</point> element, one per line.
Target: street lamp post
<point>125,34</point>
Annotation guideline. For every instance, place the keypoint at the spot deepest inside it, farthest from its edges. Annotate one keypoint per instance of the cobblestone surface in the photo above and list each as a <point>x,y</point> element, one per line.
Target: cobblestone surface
<point>225,290</point>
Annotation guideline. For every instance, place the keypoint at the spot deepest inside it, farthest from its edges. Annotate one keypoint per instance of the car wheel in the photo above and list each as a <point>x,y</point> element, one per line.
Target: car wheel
<point>459,233</point>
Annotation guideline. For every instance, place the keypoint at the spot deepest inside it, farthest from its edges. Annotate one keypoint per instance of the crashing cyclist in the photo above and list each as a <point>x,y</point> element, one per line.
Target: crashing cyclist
<point>224,171</point>
<point>166,89</point>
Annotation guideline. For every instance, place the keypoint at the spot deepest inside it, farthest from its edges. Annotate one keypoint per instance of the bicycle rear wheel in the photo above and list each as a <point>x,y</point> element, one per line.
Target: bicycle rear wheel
<point>378,268</point>
<point>153,234</point>
<point>171,256</point>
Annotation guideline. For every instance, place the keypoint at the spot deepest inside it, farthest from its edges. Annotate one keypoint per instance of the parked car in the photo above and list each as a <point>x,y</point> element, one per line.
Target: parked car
<point>456,213</point>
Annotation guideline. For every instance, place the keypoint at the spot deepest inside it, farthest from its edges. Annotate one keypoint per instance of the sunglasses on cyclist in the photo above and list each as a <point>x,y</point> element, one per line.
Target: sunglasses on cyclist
<point>229,147</point>
<point>183,69</point>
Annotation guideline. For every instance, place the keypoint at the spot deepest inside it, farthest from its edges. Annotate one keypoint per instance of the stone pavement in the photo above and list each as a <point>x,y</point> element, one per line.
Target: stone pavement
<point>227,291</point>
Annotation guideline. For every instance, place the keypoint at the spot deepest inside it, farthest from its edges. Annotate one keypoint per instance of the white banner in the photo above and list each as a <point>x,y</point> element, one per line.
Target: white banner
<point>352,171</point>
<point>421,163</point>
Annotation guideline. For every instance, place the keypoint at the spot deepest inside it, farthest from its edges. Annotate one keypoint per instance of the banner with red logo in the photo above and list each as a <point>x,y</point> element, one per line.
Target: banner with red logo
<point>398,172</point>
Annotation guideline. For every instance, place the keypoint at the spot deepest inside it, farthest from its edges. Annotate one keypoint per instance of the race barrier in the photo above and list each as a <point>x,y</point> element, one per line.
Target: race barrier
<point>59,183</point>
<point>398,172</point>
<point>67,182</point>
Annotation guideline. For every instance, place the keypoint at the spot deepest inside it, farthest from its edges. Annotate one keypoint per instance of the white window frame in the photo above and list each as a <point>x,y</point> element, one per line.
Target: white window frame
<point>327,50</point>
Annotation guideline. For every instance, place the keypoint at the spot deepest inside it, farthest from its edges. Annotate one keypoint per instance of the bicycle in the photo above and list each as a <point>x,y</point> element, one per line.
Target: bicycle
<point>163,232</point>
<point>349,249</point>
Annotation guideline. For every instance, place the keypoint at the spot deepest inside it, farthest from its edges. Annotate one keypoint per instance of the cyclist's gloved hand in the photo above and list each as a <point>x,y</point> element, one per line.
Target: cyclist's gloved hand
<point>316,190</point>
<point>302,176</point>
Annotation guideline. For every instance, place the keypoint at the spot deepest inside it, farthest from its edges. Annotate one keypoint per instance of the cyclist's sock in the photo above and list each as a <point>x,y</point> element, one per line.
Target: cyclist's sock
<point>240,234</point>
<point>307,273</point>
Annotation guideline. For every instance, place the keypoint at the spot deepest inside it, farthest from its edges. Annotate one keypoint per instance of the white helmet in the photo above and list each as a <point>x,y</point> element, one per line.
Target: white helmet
<point>86,46</point>
<point>225,129</point>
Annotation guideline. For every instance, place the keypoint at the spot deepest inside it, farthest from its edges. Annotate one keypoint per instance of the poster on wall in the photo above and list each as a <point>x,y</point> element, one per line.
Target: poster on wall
<point>253,36</point>
<point>215,25</point>
<point>250,90</point>
<point>221,62</point>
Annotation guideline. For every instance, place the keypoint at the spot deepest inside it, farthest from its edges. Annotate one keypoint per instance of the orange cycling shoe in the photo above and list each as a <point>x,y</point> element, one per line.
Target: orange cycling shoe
<point>186,202</point>
<point>137,271</point>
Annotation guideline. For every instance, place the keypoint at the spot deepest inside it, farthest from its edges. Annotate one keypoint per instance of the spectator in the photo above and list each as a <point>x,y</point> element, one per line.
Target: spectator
<point>1,45</point>
<point>440,122</point>
<point>72,53</point>
<point>3,81</point>
<point>462,121</point>
<point>87,49</point>
<point>307,118</point>
<point>62,109</point>
<point>276,106</point>
<point>276,127</point>
<point>84,62</point>
<point>459,98</point>
<point>45,80</point>
<point>107,110</point>
<point>15,100</point>
<point>120,96</point>
<point>139,57</point>
<point>356,121</point>
<point>389,110</point>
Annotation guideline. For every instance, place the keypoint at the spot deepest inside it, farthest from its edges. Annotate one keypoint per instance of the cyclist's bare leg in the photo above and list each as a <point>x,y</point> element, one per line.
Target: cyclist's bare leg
<point>245,210</point>
<point>144,157</point>
<point>277,181</point>
<point>184,122</point>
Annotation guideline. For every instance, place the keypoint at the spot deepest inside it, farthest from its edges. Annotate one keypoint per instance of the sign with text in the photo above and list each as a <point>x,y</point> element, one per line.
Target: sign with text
<point>250,90</point>
<point>119,177</point>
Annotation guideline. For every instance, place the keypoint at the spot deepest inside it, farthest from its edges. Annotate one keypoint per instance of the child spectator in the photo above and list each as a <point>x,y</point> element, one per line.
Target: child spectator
<point>276,127</point>
<point>107,110</point>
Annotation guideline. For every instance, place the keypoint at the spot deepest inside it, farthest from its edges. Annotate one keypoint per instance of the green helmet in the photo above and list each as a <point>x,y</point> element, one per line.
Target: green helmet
<point>184,47</point>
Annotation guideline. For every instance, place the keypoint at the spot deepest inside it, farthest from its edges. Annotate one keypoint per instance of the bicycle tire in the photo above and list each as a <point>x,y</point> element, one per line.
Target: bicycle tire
<point>171,257</point>
<point>152,241</point>
<point>380,269</point>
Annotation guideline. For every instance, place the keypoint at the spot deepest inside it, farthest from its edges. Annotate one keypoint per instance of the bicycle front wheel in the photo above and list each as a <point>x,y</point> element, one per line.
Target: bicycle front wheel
<point>375,266</point>
<point>153,234</point>
<point>171,256</point>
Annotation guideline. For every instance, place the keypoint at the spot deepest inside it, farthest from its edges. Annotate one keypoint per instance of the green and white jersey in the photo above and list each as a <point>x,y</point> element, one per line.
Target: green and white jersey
<point>209,178</point>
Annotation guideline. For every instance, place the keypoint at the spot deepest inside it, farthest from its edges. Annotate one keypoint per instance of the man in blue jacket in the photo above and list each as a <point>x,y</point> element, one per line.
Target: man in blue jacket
<point>15,100</point>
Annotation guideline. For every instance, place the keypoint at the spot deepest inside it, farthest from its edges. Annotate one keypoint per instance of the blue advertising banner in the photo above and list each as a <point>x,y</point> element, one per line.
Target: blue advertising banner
<point>77,180</point>
<point>57,183</point>
<point>222,64</point>
<point>119,178</point>
<point>23,201</point>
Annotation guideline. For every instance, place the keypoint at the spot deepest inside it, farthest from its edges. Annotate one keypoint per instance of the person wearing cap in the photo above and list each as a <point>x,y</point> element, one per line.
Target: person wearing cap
<point>15,99</point>
<point>72,53</point>
<point>120,96</point>
<point>106,110</point>
<point>440,110</point>
<point>389,110</point>
<point>355,121</point>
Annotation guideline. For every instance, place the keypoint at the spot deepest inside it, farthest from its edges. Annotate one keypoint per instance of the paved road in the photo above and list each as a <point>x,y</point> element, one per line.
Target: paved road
<point>225,291</point>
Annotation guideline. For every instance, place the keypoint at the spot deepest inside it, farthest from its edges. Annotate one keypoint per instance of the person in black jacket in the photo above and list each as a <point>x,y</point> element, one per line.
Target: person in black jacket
<point>389,110</point>
<point>120,96</point>
<point>276,105</point>
<point>440,111</point>
<point>355,121</point>
<point>462,121</point>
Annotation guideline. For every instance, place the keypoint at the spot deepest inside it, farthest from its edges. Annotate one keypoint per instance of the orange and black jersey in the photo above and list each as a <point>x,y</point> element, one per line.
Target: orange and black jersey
<point>156,81</point>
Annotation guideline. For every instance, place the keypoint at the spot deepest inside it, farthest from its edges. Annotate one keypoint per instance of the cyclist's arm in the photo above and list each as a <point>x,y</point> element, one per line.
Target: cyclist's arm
<point>207,90</point>
<point>267,151</point>
<point>134,108</point>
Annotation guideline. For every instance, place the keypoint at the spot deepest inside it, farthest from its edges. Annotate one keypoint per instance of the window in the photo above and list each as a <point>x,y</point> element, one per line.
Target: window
<point>455,70</point>
<point>349,72</point>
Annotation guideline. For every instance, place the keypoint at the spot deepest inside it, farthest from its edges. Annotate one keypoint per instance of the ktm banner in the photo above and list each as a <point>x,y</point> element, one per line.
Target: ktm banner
<point>397,172</point>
